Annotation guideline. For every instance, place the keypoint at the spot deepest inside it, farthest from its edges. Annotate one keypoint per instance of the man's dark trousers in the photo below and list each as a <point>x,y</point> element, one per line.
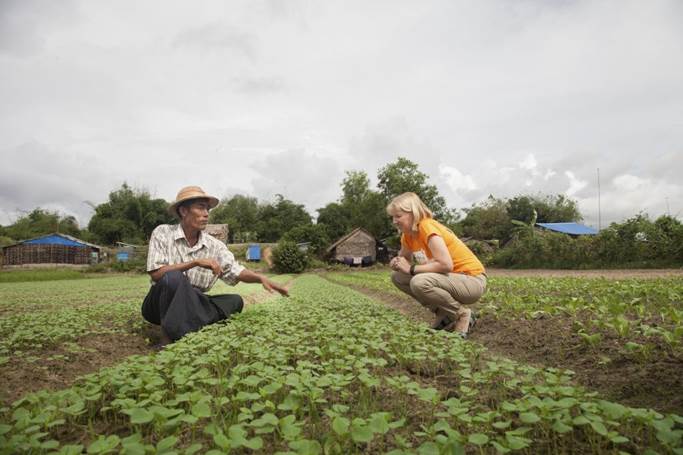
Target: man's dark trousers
<point>180,309</point>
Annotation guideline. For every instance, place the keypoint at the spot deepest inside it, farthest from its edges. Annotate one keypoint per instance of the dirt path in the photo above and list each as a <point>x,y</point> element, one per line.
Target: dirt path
<point>611,274</point>
<point>655,383</point>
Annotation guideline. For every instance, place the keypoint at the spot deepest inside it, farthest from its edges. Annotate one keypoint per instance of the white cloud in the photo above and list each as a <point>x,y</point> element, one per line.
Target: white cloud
<point>456,180</point>
<point>506,96</point>
<point>575,185</point>
<point>529,162</point>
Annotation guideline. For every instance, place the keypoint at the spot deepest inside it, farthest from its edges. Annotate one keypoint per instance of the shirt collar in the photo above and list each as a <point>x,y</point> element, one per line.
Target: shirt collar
<point>180,234</point>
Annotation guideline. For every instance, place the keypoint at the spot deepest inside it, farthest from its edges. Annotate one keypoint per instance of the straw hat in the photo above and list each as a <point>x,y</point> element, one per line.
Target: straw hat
<point>190,192</point>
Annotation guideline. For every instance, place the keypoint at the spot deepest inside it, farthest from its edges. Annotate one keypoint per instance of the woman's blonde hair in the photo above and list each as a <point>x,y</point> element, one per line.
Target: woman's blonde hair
<point>410,203</point>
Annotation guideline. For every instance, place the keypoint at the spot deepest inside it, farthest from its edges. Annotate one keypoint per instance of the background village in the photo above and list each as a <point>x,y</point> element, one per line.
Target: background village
<point>529,230</point>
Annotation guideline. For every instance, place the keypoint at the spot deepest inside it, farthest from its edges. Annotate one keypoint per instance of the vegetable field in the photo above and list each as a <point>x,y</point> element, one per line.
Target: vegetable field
<point>336,369</point>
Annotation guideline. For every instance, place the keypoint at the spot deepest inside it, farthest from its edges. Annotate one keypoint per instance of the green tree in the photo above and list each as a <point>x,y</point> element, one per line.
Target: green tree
<point>403,176</point>
<point>240,213</point>
<point>365,207</point>
<point>40,222</point>
<point>549,208</point>
<point>488,220</point>
<point>277,218</point>
<point>129,216</point>
<point>316,234</point>
<point>336,219</point>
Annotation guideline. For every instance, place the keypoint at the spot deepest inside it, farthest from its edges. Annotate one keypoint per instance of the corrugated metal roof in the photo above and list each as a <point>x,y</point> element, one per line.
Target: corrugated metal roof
<point>569,228</point>
<point>59,239</point>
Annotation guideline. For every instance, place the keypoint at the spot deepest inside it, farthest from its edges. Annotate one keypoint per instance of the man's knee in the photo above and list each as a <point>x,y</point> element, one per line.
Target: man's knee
<point>171,280</point>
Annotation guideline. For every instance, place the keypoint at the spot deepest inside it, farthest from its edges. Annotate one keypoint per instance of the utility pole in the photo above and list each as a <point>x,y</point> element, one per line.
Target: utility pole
<point>599,214</point>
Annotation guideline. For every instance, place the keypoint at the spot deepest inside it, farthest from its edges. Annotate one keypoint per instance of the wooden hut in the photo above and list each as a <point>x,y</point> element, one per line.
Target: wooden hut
<point>220,231</point>
<point>51,249</point>
<point>358,247</point>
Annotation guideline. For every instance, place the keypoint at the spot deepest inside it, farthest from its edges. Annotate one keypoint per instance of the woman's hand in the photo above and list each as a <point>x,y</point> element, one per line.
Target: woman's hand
<point>400,264</point>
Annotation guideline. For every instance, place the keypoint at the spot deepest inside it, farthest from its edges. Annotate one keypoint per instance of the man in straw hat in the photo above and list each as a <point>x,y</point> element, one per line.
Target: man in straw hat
<point>184,263</point>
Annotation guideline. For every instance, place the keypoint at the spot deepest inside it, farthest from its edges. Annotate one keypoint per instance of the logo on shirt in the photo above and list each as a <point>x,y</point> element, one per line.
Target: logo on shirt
<point>420,256</point>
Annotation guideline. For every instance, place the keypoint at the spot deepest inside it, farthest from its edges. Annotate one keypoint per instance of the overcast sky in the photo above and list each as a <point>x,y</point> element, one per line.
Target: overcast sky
<point>501,97</point>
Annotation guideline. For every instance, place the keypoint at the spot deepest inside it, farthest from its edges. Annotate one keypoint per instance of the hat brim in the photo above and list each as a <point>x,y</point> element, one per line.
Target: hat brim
<point>213,202</point>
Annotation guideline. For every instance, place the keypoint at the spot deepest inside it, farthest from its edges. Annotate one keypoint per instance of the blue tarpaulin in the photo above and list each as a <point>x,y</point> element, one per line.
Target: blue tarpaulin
<point>54,240</point>
<point>569,228</point>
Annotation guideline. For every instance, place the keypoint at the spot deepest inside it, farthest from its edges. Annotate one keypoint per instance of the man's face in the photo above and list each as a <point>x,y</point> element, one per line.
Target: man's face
<point>196,215</point>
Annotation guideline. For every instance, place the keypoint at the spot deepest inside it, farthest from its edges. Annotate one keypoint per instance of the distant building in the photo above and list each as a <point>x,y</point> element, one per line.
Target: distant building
<point>573,229</point>
<point>220,231</point>
<point>51,249</point>
<point>358,247</point>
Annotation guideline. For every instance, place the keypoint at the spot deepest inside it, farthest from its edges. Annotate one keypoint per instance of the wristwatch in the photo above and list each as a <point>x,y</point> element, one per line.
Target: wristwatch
<point>412,269</point>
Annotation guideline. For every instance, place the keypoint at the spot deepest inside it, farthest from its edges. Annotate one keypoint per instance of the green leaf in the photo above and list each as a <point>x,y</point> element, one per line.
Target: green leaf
<point>529,417</point>
<point>222,441</point>
<point>478,439</point>
<point>361,433</point>
<point>166,444</point>
<point>139,416</point>
<point>502,425</point>
<point>71,449</point>
<point>561,427</point>
<point>619,439</point>
<point>253,443</point>
<point>378,423</point>
<point>599,428</point>
<point>428,448</point>
<point>580,420</point>
<point>103,445</point>
<point>340,425</point>
<point>201,410</point>
<point>306,447</point>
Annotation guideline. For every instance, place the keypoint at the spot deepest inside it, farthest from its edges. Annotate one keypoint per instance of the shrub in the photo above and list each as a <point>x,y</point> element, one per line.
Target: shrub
<point>316,234</point>
<point>288,258</point>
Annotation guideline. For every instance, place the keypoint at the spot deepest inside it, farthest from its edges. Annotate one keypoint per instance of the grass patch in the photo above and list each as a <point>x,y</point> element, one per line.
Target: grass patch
<point>17,276</point>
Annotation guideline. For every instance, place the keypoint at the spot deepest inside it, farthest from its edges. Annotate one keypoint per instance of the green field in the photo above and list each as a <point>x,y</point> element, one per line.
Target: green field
<point>331,370</point>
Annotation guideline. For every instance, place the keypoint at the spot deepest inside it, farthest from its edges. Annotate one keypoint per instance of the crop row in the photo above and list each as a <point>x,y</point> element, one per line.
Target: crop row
<point>332,371</point>
<point>41,315</point>
<point>641,312</point>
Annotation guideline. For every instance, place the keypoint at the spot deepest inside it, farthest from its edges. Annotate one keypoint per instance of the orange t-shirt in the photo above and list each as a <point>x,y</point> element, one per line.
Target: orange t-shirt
<point>464,261</point>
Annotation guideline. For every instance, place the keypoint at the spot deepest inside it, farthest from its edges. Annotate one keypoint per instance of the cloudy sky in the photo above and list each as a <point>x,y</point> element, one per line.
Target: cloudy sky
<point>501,97</point>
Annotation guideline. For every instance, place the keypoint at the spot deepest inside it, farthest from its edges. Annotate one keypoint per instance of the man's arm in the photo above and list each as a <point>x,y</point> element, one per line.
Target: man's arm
<point>211,264</point>
<point>247,276</point>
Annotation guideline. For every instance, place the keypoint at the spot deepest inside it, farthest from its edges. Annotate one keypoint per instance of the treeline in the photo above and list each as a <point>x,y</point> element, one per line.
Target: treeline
<point>501,231</point>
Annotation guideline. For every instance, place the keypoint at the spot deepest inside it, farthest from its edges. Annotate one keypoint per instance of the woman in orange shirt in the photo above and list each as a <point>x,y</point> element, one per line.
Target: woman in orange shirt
<point>434,266</point>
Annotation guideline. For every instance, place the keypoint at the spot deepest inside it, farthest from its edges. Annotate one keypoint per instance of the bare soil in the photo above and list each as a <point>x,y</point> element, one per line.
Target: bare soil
<point>653,382</point>
<point>20,376</point>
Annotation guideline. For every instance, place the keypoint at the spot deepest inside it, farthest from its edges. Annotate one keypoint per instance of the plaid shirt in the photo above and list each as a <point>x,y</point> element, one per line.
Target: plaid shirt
<point>169,246</point>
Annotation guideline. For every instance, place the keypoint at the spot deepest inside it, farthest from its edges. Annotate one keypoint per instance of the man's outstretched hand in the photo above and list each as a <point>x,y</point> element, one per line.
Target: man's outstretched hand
<point>272,286</point>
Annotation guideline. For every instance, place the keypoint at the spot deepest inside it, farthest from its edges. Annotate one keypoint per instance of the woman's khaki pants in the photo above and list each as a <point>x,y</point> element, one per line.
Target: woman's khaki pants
<point>442,294</point>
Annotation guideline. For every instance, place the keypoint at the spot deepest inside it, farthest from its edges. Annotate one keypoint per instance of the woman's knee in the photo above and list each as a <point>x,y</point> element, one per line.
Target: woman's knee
<point>420,283</point>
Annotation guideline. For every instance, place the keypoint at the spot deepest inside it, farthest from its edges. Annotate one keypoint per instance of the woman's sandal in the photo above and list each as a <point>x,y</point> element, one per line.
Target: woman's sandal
<point>451,327</point>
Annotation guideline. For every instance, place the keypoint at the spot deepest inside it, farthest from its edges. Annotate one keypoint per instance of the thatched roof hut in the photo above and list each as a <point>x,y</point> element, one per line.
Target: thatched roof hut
<point>53,248</point>
<point>358,247</point>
